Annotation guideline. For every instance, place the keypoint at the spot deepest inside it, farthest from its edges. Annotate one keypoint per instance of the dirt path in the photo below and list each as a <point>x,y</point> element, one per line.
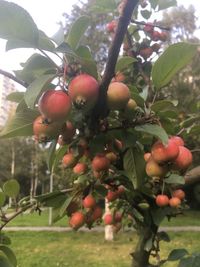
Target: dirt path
<point>96,229</point>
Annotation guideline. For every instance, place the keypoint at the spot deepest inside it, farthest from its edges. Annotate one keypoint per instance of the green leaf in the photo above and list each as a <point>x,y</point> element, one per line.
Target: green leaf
<point>34,67</point>
<point>149,244</point>
<point>103,6</point>
<point>189,121</point>
<point>162,105</point>
<point>59,36</point>
<point>145,14</point>
<point>58,156</point>
<point>134,165</point>
<point>5,240</point>
<point>21,124</point>
<point>158,215</point>
<point>155,130</point>
<point>17,24</point>
<point>9,254</point>
<point>15,97</point>
<point>53,199</point>
<point>175,179</point>
<point>154,3</point>
<point>175,57</point>
<point>11,188</point>
<point>2,198</point>
<point>36,88</point>
<point>88,64</point>
<point>65,206</point>
<point>51,155</point>
<point>164,4</point>
<point>77,30</point>
<point>4,261</point>
<point>192,261</point>
<point>101,190</point>
<point>44,43</point>
<point>124,62</point>
<point>177,254</point>
<point>163,236</point>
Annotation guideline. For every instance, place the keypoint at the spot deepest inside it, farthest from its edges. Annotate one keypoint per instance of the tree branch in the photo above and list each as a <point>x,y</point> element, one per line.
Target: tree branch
<point>153,25</point>
<point>12,77</point>
<point>192,176</point>
<point>100,109</point>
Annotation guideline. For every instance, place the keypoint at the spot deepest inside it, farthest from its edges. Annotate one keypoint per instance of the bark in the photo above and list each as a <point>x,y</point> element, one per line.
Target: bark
<point>109,235</point>
<point>140,257</point>
<point>192,176</point>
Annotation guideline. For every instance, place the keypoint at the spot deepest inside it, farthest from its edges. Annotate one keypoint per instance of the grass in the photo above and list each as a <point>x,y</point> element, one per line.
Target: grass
<point>87,249</point>
<point>191,218</point>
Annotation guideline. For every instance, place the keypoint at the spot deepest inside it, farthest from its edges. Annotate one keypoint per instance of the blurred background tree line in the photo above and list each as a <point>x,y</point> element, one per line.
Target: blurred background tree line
<point>22,159</point>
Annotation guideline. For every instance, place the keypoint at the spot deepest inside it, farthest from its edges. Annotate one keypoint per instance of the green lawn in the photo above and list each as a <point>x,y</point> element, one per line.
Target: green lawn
<point>189,218</point>
<point>87,249</point>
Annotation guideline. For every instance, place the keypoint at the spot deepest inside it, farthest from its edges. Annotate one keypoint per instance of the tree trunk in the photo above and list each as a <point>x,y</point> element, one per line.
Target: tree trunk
<point>109,235</point>
<point>140,257</point>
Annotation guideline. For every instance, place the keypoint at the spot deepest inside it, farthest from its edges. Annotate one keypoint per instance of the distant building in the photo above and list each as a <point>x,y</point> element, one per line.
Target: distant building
<point>7,108</point>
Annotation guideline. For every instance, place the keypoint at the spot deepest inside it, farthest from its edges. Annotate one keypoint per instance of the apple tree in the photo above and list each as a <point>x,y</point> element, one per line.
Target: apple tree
<point>110,132</point>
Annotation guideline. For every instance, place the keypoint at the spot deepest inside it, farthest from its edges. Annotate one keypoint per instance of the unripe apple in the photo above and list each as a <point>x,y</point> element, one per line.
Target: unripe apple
<point>77,220</point>
<point>129,110</point>
<point>84,91</point>
<point>184,159</point>
<point>54,105</point>
<point>178,140</point>
<point>89,202</point>
<point>118,95</point>
<point>44,131</point>
<point>147,156</point>
<point>174,202</point>
<point>146,52</point>
<point>100,163</point>
<point>162,153</point>
<point>111,156</point>
<point>153,169</point>
<point>179,193</point>
<point>108,219</point>
<point>162,200</point>
<point>80,168</point>
<point>68,160</point>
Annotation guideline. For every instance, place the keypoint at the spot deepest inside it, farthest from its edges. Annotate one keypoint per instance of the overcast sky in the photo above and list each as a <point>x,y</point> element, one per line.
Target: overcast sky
<point>46,15</point>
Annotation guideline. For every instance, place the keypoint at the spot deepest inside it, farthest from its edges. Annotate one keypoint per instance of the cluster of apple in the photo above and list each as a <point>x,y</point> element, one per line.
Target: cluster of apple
<point>173,156</point>
<point>82,94</point>
<point>92,212</point>
<point>155,36</point>
<point>163,200</point>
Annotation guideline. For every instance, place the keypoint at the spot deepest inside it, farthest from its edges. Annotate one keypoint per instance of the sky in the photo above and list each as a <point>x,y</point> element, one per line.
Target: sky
<point>46,15</point>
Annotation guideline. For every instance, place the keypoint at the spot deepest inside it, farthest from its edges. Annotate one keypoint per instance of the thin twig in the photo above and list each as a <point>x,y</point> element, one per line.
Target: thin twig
<point>46,55</point>
<point>153,25</point>
<point>12,77</point>
<point>15,215</point>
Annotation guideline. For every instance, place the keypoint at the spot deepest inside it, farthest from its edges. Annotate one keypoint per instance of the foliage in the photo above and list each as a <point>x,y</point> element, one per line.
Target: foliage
<point>98,134</point>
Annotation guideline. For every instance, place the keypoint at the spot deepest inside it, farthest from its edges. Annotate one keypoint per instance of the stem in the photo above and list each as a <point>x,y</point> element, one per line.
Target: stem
<point>100,109</point>
<point>153,25</point>
<point>12,77</point>
<point>15,215</point>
